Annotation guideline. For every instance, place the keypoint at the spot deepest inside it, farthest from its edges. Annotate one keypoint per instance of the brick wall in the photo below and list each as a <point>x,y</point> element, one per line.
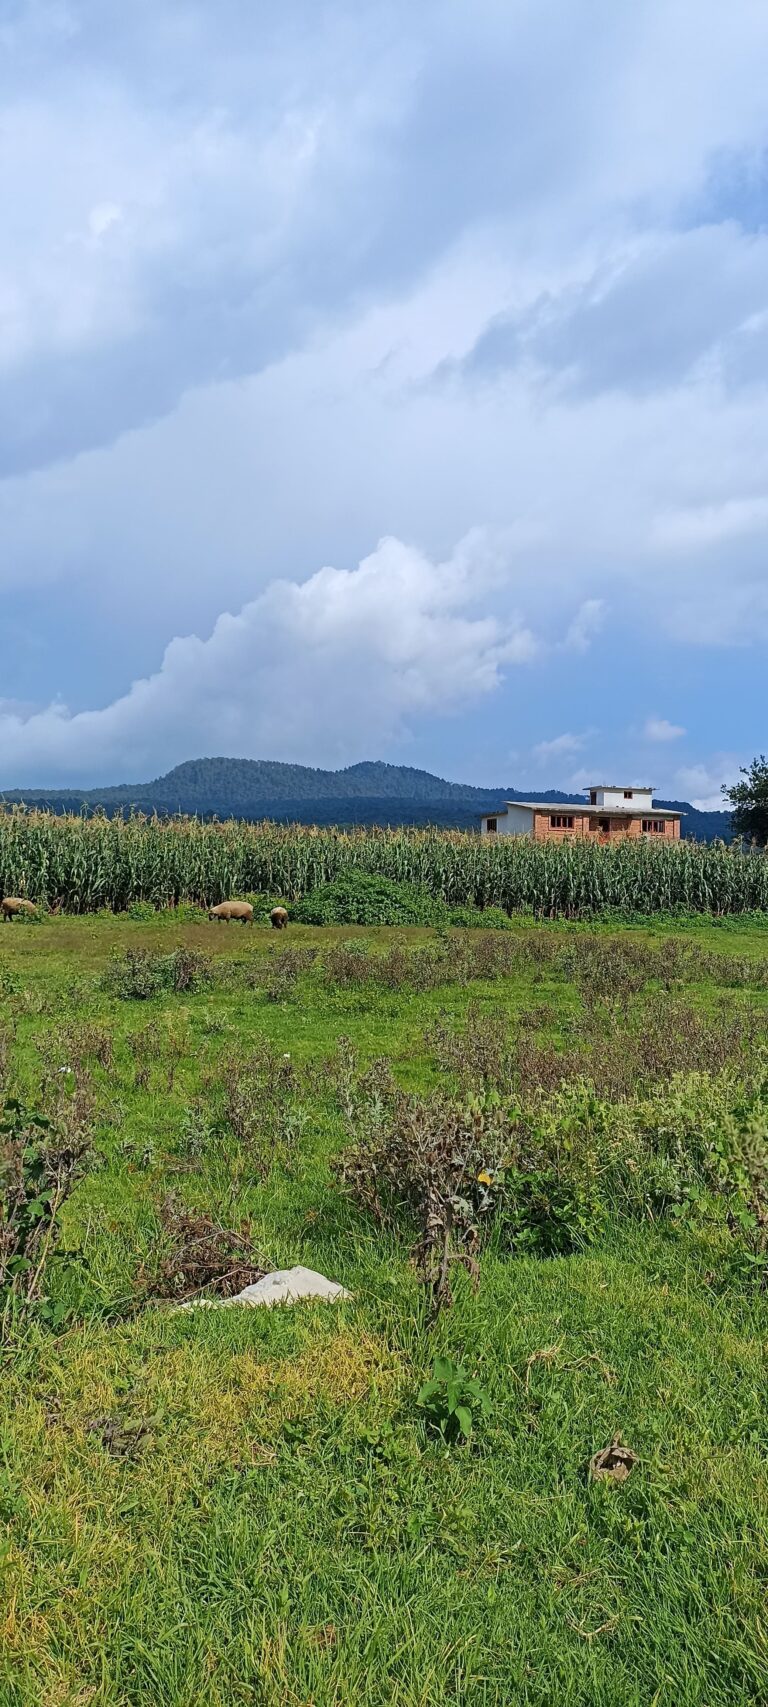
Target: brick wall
<point>543,830</point>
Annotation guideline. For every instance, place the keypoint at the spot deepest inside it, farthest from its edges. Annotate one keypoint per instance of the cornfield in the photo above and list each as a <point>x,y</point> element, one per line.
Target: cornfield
<point>79,865</point>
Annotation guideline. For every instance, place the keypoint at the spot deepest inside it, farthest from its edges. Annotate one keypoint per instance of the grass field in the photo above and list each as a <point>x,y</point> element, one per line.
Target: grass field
<point>231,1508</point>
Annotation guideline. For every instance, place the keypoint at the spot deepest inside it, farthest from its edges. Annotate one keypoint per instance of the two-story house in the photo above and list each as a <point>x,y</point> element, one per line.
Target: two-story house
<point>610,812</point>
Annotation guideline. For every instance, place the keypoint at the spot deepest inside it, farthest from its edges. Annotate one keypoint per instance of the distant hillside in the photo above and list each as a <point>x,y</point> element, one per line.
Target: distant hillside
<point>366,793</point>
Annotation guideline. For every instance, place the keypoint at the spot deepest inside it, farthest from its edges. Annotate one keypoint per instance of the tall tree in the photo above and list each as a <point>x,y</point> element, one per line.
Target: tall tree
<point>749,800</point>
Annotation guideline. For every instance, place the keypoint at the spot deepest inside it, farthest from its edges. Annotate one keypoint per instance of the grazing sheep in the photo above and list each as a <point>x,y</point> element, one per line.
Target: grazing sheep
<point>279,919</point>
<point>13,905</point>
<point>227,910</point>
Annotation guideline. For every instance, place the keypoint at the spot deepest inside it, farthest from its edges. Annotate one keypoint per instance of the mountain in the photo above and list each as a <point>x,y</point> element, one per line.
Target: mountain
<point>265,779</point>
<point>367,793</point>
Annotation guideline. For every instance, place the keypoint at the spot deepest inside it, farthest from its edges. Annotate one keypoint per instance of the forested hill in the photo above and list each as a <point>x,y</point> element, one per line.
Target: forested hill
<point>366,793</point>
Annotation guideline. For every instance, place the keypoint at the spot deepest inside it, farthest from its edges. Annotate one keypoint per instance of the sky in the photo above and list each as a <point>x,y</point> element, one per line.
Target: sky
<point>383,380</point>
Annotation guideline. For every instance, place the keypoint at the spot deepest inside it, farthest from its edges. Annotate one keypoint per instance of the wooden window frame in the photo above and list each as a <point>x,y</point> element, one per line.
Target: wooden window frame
<point>561,820</point>
<point>653,826</point>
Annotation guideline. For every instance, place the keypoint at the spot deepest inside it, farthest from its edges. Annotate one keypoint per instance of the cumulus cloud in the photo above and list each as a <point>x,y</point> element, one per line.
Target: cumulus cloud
<point>329,666</point>
<point>660,729</point>
<point>236,245</point>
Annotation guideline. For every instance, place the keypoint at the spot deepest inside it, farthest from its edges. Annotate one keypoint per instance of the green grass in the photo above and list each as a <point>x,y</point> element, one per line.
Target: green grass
<point>284,1532</point>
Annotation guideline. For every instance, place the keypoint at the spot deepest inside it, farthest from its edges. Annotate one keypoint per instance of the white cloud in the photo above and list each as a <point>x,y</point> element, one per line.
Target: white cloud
<point>660,307</point>
<point>558,746</point>
<point>709,524</point>
<point>660,729</point>
<point>329,667</point>
<point>587,622</point>
<point>701,783</point>
<point>264,230</point>
<point>102,216</point>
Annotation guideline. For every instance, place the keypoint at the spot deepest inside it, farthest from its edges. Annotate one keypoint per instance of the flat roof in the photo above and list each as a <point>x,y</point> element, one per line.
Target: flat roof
<point>619,787</point>
<point>586,811</point>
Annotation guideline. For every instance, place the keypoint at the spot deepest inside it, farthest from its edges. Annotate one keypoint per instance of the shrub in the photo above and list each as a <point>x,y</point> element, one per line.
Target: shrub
<point>551,1210</point>
<point>425,1159</point>
<point>184,913</point>
<point>365,898</point>
<point>621,1052</point>
<point>260,1108</point>
<point>195,1254</point>
<point>38,1173</point>
<point>138,974</point>
<point>348,964</point>
<point>262,902</point>
<point>284,968</point>
<point>547,1167</point>
<point>480,918</point>
<point>480,1055</point>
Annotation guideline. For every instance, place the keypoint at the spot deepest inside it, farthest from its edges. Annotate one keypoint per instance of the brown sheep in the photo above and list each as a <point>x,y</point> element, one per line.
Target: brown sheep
<point>13,905</point>
<point>279,919</point>
<point>227,910</point>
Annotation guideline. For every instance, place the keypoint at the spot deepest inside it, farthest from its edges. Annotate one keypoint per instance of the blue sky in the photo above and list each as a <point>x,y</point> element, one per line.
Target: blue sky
<point>384,380</point>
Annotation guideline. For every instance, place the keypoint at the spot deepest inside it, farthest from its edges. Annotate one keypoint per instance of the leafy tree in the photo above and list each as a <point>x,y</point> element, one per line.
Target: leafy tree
<point>749,800</point>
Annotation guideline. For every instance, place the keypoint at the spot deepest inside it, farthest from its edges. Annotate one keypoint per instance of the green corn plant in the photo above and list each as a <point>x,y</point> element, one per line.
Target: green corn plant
<point>80,864</point>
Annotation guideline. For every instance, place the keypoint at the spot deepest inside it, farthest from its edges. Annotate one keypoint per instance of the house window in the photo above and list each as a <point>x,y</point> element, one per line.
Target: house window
<point>561,821</point>
<point>491,825</point>
<point>627,794</point>
<point>653,826</point>
<point>593,797</point>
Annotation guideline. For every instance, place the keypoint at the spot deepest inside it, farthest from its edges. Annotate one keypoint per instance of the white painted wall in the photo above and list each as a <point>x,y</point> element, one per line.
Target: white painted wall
<point>641,798</point>
<point>515,821</point>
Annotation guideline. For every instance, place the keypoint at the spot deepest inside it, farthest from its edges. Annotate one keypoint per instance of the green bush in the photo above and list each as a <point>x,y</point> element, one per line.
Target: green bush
<point>363,898</point>
<point>184,913</point>
<point>262,902</point>
<point>142,911</point>
<point>480,918</point>
<point>551,1211</point>
<point>545,1172</point>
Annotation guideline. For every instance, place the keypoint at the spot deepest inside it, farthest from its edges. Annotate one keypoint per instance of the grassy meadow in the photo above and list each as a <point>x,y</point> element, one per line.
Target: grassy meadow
<point>243,1508</point>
